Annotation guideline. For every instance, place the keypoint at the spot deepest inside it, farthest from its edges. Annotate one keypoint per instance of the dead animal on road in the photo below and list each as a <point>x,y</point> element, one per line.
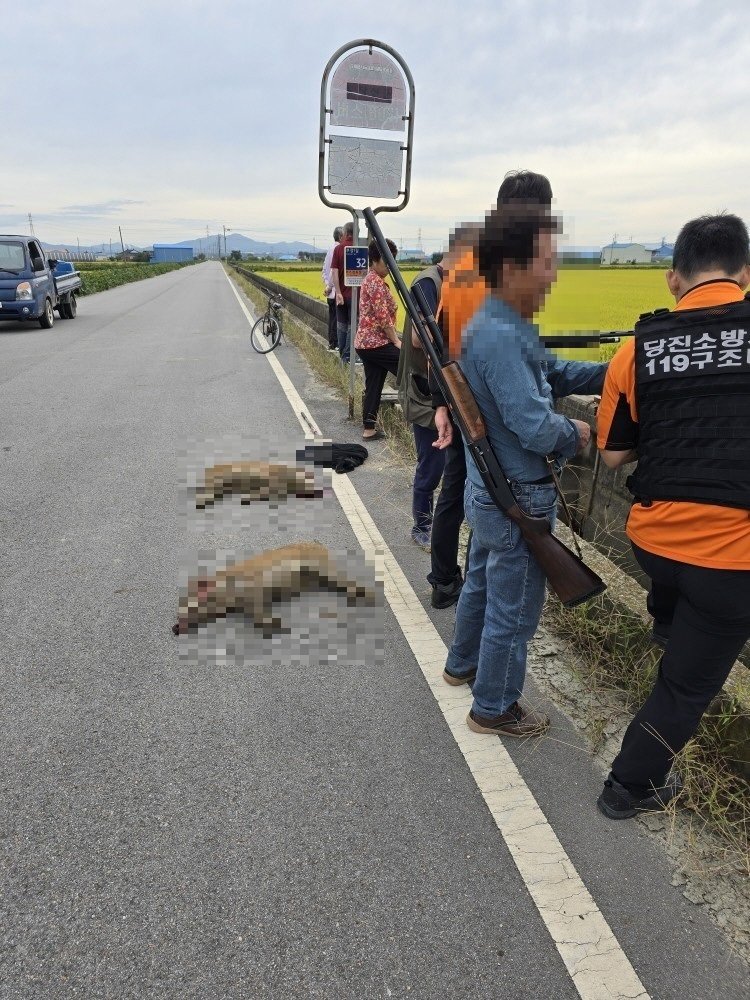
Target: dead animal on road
<point>252,587</point>
<point>256,481</point>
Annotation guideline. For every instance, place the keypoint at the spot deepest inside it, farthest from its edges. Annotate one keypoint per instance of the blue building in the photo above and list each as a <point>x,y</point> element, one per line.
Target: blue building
<point>169,253</point>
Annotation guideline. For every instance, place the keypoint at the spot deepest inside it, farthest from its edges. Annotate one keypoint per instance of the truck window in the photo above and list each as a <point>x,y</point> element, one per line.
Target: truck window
<point>37,260</point>
<point>12,257</point>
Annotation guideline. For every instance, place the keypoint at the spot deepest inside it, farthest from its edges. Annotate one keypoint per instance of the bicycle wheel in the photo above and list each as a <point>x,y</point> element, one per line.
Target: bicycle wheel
<point>265,334</point>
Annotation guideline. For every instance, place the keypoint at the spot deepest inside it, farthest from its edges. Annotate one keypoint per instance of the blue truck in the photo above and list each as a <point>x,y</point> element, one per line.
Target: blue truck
<point>33,286</point>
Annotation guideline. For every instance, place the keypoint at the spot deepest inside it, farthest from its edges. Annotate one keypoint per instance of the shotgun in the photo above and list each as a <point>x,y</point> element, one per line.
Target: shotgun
<point>583,339</point>
<point>569,577</point>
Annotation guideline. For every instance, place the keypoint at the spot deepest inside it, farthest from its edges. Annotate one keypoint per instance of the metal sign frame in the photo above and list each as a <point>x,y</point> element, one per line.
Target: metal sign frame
<point>323,146</point>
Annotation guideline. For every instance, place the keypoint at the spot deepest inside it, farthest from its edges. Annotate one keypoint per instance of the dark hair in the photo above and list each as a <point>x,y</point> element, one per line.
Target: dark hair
<point>510,233</point>
<point>525,186</point>
<point>711,243</point>
<point>349,229</point>
<point>374,250</point>
<point>338,233</point>
<point>465,235</point>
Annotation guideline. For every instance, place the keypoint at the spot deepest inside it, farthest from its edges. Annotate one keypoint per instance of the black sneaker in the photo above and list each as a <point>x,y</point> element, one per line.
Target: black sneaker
<point>616,802</point>
<point>446,595</point>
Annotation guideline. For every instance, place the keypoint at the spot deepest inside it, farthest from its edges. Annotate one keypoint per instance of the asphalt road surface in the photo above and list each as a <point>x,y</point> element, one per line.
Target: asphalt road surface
<point>223,820</point>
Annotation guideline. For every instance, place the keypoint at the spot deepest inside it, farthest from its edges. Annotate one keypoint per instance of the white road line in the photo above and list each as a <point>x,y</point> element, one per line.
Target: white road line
<point>592,954</point>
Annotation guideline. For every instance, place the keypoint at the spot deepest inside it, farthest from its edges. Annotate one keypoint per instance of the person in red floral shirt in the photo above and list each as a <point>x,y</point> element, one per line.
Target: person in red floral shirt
<point>376,342</point>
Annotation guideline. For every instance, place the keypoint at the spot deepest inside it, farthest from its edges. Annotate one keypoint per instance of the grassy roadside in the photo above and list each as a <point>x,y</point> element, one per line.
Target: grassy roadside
<point>614,653</point>
<point>102,277</point>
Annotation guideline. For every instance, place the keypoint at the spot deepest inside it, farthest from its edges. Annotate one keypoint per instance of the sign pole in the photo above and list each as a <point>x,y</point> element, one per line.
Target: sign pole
<point>353,322</point>
<point>366,133</point>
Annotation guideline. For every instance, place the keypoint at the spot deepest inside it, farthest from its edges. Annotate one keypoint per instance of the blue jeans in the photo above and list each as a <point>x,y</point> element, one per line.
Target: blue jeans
<point>430,462</point>
<point>501,601</point>
<point>343,327</point>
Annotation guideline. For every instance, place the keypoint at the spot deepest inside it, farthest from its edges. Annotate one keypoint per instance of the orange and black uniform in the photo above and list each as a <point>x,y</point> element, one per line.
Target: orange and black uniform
<point>697,554</point>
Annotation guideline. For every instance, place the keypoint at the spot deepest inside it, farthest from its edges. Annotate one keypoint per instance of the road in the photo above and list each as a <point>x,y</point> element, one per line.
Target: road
<point>220,820</point>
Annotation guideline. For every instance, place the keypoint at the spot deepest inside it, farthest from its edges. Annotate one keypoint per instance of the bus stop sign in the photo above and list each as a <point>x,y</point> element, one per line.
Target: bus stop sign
<point>356,263</point>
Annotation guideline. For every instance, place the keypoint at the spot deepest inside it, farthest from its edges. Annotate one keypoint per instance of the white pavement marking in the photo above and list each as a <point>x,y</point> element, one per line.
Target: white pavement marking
<point>592,954</point>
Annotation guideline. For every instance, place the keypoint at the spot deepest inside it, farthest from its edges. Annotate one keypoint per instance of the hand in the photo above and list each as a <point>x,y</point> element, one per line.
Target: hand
<point>584,433</point>
<point>444,428</point>
<point>339,299</point>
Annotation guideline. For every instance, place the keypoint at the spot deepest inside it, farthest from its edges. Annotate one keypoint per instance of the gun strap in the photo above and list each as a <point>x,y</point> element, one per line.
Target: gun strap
<point>571,522</point>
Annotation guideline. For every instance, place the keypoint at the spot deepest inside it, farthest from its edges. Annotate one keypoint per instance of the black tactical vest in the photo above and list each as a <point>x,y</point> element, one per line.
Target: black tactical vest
<point>692,388</point>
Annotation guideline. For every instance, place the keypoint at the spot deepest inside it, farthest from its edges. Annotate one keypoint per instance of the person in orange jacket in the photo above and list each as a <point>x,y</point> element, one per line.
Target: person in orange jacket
<point>677,399</point>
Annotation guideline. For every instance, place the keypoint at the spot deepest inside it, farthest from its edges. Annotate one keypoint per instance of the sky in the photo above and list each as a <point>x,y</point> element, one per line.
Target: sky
<point>167,117</point>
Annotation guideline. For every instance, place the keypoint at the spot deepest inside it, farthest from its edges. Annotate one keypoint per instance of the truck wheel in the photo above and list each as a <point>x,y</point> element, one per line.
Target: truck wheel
<point>47,319</point>
<point>72,306</point>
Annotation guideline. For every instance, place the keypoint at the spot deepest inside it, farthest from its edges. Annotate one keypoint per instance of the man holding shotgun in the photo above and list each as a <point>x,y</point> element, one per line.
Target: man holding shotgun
<point>515,381</point>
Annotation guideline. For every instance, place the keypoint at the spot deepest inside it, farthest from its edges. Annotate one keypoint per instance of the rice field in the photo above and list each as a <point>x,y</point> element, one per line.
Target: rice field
<point>581,299</point>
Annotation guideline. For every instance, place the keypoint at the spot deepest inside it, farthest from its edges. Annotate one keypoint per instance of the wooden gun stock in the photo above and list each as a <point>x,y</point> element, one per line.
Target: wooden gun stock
<point>569,577</point>
<point>463,403</point>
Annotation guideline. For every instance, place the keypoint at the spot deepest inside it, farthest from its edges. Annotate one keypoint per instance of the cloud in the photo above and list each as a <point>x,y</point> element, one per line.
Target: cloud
<point>100,208</point>
<point>200,115</point>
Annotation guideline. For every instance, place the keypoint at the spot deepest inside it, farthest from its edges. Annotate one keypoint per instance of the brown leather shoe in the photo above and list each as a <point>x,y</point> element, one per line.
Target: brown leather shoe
<point>455,681</point>
<point>517,721</point>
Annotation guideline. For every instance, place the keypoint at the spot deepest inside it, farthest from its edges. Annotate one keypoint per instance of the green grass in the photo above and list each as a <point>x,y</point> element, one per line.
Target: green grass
<point>581,299</point>
<point>312,284</point>
<point>603,299</point>
<point>101,277</point>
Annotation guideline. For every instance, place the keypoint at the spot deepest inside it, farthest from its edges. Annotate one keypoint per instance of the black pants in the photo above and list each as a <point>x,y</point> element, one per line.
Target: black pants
<point>448,515</point>
<point>333,336</point>
<point>377,362</point>
<point>707,612</point>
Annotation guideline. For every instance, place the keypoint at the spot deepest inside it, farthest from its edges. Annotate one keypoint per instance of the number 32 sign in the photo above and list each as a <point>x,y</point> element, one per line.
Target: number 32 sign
<point>356,264</point>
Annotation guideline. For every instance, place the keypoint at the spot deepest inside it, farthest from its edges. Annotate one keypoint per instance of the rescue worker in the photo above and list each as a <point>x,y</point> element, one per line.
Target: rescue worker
<point>677,398</point>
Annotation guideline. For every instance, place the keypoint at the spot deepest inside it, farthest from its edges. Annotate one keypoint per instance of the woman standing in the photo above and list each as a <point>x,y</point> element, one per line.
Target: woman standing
<point>376,342</point>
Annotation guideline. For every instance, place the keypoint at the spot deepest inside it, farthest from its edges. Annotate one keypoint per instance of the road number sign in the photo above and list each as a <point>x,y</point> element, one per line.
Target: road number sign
<point>356,264</point>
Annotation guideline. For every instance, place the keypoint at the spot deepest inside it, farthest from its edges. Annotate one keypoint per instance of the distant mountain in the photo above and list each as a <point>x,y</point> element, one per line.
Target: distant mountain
<point>201,244</point>
<point>236,241</point>
<point>97,248</point>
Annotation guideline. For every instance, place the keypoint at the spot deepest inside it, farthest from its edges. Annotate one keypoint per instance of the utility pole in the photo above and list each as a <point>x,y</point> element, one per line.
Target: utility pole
<point>121,243</point>
<point>110,246</point>
<point>31,226</point>
<point>225,241</point>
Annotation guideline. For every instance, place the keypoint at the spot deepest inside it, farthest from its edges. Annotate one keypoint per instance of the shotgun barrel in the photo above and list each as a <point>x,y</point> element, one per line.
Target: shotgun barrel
<point>569,577</point>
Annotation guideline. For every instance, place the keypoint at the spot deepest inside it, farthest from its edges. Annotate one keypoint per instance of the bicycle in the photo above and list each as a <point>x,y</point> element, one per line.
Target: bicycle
<point>265,335</point>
